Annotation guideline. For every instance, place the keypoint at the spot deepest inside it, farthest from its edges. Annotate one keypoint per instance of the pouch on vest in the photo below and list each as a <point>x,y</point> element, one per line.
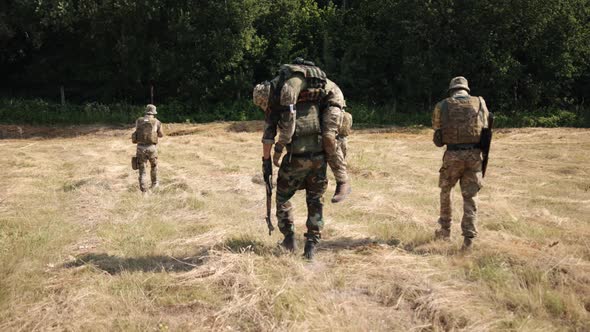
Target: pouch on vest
<point>461,122</point>
<point>308,95</point>
<point>346,125</point>
<point>147,131</point>
<point>308,130</point>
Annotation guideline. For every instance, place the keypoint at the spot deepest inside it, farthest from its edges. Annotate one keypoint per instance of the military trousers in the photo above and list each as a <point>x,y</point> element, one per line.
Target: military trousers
<point>302,173</point>
<point>463,167</point>
<point>147,153</point>
<point>334,144</point>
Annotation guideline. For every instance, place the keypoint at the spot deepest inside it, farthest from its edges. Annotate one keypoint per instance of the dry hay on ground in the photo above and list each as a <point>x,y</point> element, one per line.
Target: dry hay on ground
<point>81,249</point>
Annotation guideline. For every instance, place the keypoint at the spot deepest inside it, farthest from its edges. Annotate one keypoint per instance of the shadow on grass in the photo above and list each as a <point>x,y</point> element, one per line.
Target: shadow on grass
<point>426,245</point>
<point>115,265</point>
<point>422,246</point>
<point>348,243</point>
<point>242,244</point>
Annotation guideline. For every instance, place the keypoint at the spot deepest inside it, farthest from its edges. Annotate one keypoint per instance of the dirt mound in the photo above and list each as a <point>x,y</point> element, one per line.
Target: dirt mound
<point>27,131</point>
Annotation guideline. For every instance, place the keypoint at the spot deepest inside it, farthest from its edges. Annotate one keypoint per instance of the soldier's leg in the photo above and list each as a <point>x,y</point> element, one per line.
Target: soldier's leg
<point>153,158</point>
<point>343,146</point>
<point>141,160</point>
<point>450,173</point>
<point>471,183</point>
<point>332,120</point>
<point>315,187</point>
<point>290,178</point>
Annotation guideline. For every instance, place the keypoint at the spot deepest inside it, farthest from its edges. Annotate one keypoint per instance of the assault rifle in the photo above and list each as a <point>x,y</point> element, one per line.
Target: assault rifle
<point>268,185</point>
<point>486,143</point>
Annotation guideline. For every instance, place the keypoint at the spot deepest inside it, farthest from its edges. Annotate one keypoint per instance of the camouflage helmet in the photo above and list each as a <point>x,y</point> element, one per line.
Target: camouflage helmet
<point>459,82</point>
<point>150,109</point>
<point>261,95</point>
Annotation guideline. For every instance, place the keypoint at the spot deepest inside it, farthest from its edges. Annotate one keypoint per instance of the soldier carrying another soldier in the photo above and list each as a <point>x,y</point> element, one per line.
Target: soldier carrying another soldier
<point>148,130</point>
<point>298,121</point>
<point>461,123</point>
<point>300,82</point>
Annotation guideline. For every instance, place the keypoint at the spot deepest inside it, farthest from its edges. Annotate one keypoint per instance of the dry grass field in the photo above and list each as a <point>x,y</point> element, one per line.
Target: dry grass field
<point>82,250</point>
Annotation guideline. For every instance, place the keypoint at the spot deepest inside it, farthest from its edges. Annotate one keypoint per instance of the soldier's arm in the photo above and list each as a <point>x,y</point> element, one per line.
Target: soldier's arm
<point>160,131</point>
<point>436,117</point>
<point>485,114</point>
<point>270,131</point>
<point>437,138</point>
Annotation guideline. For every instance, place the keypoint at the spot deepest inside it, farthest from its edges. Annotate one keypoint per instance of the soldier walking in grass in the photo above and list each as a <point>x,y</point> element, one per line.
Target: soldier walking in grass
<point>304,166</point>
<point>459,122</point>
<point>148,130</point>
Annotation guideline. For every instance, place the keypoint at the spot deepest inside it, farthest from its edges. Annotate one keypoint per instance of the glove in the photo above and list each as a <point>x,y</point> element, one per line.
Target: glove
<point>276,158</point>
<point>266,168</point>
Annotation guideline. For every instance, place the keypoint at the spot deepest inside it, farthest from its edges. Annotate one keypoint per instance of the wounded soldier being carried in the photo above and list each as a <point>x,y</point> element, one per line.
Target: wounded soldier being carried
<point>302,82</point>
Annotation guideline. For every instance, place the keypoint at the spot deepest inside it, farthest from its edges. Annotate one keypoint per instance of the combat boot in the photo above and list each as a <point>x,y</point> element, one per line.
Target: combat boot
<point>342,190</point>
<point>467,244</point>
<point>443,233</point>
<point>289,242</point>
<point>155,185</point>
<point>309,250</point>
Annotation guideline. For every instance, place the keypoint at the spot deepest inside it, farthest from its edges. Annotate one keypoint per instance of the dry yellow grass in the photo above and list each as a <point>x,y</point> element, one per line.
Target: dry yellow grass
<point>81,249</point>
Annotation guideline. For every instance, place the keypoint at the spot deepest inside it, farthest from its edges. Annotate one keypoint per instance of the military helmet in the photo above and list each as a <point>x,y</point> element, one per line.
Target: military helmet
<point>261,95</point>
<point>150,109</point>
<point>459,82</point>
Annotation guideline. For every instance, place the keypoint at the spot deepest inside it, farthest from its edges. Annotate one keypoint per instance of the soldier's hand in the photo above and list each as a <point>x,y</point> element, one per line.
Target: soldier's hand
<point>266,168</point>
<point>276,158</point>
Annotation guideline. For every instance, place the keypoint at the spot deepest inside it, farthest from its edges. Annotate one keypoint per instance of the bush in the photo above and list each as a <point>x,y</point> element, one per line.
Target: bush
<point>546,118</point>
<point>41,112</point>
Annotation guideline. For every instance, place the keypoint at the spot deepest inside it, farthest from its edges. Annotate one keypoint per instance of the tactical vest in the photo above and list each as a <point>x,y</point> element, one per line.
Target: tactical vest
<point>147,131</point>
<point>315,80</point>
<point>308,130</point>
<point>461,121</point>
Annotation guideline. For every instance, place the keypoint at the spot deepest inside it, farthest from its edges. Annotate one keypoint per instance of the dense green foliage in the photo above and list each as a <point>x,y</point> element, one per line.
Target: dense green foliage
<point>527,57</point>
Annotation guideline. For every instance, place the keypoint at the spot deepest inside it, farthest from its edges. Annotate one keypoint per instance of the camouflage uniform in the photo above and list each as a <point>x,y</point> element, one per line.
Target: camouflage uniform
<point>299,171</point>
<point>295,90</point>
<point>148,151</point>
<point>335,140</point>
<point>462,161</point>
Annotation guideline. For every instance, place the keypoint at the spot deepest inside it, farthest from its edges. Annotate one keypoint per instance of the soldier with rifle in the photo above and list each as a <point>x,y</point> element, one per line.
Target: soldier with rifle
<point>304,166</point>
<point>464,124</point>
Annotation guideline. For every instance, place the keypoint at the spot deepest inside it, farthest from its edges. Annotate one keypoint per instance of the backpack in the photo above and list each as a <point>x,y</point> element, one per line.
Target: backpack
<point>315,78</point>
<point>147,131</point>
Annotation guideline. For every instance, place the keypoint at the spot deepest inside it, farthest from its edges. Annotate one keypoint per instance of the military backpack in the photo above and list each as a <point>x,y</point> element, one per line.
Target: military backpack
<point>461,120</point>
<point>147,131</point>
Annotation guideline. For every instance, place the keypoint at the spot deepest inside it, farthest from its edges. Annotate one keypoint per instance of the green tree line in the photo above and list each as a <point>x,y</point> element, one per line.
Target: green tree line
<point>393,55</point>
